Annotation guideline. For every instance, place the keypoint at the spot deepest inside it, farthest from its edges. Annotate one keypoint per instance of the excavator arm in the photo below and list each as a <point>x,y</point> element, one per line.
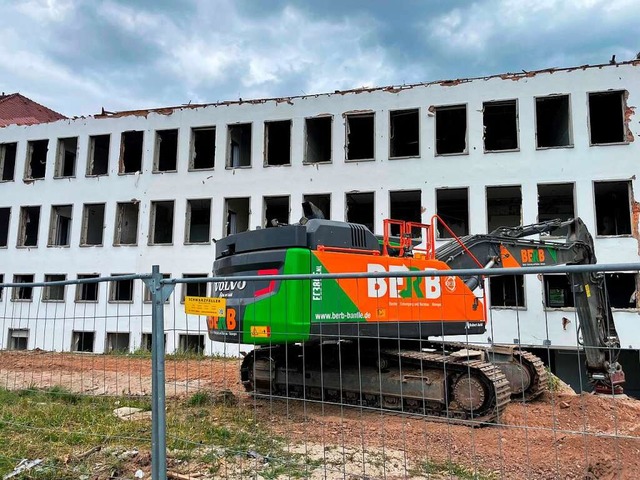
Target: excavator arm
<point>507,247</point>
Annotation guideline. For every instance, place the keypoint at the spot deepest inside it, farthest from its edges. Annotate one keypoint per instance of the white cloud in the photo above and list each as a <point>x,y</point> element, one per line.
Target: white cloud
<point>258,52</point>
<point>130,19</point>
<point>488,28</point>
<point>142,54</point>
<point>46,10</point>
<point>196,62</point>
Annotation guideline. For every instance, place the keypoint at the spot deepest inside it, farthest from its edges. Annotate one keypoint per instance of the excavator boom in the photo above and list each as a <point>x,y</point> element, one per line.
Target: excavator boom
<point>507,247</point>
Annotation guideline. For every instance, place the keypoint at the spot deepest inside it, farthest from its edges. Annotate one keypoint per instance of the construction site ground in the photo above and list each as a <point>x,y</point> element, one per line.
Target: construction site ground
<point>561,435</point>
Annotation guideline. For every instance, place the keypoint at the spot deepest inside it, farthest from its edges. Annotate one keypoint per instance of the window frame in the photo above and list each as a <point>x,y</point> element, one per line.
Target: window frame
<point>188,219</point>
<point>46,292</point>
<point>15,291</point>
<point>153,211</point>
<point>58,170</point>
<point>80,287</point>
<point>114,289</point>
<point>456,106</point>
<point>347,117</point>
<point>571,143</point>
<point>192,148</point>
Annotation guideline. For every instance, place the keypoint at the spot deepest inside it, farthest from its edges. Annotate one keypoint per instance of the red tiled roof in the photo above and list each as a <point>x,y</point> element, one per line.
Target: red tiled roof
<point>16,109</point>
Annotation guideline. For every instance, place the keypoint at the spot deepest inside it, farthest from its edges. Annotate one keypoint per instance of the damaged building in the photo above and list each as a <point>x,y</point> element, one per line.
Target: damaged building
<point>115,193</point>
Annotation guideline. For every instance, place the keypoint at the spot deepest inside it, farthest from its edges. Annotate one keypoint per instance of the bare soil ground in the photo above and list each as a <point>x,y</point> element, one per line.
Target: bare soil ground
<point>562,435</point>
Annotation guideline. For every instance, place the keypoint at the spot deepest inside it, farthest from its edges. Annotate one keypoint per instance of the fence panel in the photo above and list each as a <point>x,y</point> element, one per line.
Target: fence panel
<point>76,374</point>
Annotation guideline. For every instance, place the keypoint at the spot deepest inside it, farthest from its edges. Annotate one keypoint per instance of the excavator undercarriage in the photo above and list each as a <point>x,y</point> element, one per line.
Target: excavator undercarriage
<point>459,385</point>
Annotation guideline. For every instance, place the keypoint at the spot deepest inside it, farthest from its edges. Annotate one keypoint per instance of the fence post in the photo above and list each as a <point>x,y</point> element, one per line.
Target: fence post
<point>159,293</point>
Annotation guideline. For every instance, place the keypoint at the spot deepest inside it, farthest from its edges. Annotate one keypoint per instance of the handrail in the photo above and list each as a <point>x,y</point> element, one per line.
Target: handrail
<point>436,218</point>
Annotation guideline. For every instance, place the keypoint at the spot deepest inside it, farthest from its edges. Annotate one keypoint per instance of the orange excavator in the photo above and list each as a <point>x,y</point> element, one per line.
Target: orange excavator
<point>371,341</point>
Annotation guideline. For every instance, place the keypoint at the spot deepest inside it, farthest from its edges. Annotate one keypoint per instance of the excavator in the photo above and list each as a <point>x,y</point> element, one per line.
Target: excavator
<point>373,336</point>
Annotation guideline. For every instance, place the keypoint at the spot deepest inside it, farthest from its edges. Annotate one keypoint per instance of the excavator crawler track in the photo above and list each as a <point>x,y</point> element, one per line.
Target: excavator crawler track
<point>524,369</point>
<point>540,380</point>
<point>438,386</point>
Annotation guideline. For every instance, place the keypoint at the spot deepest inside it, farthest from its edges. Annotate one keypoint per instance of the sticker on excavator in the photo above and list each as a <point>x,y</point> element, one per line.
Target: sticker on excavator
<point>388,299</point>
<point>259,331</point>
<point>214,307</point>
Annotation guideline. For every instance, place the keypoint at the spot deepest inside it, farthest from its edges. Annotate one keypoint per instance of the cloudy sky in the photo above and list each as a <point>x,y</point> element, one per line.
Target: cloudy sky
<point>77,56</point>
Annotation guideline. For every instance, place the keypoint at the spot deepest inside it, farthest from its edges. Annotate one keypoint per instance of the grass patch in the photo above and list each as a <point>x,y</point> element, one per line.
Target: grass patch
<point>553,382</point>
<point>62,394</point>
<point>59,427</point>
<point>451,469</point>
<point>189,354</point>
<point>199,399</point>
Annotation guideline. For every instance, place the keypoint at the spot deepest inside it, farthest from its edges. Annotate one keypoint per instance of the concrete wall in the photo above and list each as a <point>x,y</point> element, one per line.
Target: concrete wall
<point>580,164</point>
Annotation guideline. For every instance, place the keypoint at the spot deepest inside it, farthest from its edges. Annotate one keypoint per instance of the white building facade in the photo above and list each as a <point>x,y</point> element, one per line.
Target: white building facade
<point>119,192</point>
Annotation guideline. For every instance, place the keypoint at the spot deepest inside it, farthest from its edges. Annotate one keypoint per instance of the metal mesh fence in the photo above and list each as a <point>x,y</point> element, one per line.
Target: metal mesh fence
<point>76,377</point>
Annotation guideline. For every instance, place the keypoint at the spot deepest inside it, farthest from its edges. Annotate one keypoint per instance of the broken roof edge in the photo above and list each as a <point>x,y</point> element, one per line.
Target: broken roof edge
<point>169,110</point>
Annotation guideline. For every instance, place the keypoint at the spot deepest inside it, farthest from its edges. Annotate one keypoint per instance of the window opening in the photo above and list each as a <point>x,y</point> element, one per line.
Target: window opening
<point>8,161</point>
<point>87,292</point>
<point>556,201</point>
<point>606,117</point>
<point>126,224</point>
<point>92,224</point>
<point>236,214</point>
<point>98,155</point>
<point>277,143</point>
<point>613,212</point>
<point>36,159</point>
<point>198,221</point>
<point>203,148</point>
<point>66,157</point>
<point>239,146</point>
<point>322,201</point>
<point>147,294</point>
<point>500,125</point>
<point>166,151</point>
<point>121,290</point>
<point>318,140</point>
<point>507,291</point>
<point>82,341</point>
<point>504,207</point>
<point>29,224</point>
<point>404,133</point>
<point>405,205</point>
<point>117,342</point>
<point>557,291</point>
<point>147,342</point>
<point>553,127</point>
<point>53,293</point>
<point>191,344</point>
<point>360,209</point>
<point>360,136</point>
<point>451,129</point>
<point>22,293</point>
<point>161,223</point>
<point>276,211</point>
<point>131,152</point>
<point>194,289</point>
<point>622,289</point>
<point>452,206</point>
<point>60,226</point>
<point>18,338</point>
<point>5,216</point>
